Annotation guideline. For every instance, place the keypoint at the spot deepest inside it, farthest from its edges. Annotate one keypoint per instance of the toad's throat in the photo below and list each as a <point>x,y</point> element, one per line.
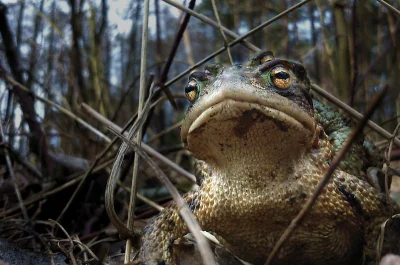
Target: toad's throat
<point>248,119</point>
<point>247,135</point>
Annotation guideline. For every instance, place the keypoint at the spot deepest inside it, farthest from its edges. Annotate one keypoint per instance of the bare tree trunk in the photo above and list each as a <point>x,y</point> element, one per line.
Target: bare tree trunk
<point>20,20</point>
<point>343,72</point>
<point>354,51</point>
<point>159,112</point>
<point>188,48</point>
<point>314,36</point>
<point>99,38</point>
<point>363,51</point>
<point>285,27</point>
<point>101,99</point>
<point>50,54</point>
<point>76,52</point>
<point>38,140</point>
<point>395,34</point>
<point>128,66</point>
<point>33,52</point>
<point>328,50</point>
<point>158,38</point>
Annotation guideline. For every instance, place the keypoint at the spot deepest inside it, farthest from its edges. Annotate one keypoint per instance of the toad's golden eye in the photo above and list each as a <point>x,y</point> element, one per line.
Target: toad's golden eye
<point>192,90</point>
<point>267,58</point>
<point>281,78</point>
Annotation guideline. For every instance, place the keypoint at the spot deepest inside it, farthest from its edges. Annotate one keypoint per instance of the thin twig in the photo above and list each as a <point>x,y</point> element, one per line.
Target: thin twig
<point>235,41</point>
<point>88,172</point>
<point>23,161</point>
<point>145,147</point>
<point>142,198</point>
<point>212,23</point>
<point>390,7</point>
<point>393,119</point>
<point>376,61</point>
<point>322,183</point>
<point>387,156</point>
<point>167,130</point>
<point>71,243</point>
<point>268,22</point>
<point>190,69</point>
<point>228,49</point>
<point>355,114</point>
<point>12,81</point>
<point>172,53</point>
<point>316,88</point>
<point>354,53</point>
<point>11,172</point>
<point>66,185</point>
<point>97,160</point>
<point>84,248</point>
<point>187,215</point>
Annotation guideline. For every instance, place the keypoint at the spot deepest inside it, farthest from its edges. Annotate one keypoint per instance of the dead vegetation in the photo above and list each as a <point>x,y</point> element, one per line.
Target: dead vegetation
<point>69,184</point>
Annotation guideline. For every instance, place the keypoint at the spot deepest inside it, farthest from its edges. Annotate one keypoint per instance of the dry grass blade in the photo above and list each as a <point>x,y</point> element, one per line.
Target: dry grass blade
<point>114,175</point>
<point>382,237</point>
<point>184,210</point>
<point>138,136</point>
<point>335,163</point>
<point>115,171</point>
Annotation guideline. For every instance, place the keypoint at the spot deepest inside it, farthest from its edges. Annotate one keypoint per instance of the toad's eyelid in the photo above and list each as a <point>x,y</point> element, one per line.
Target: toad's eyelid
<point>269,65</point>
<point>213,69</point>
<point>198,76</point>
<point>266,58</point>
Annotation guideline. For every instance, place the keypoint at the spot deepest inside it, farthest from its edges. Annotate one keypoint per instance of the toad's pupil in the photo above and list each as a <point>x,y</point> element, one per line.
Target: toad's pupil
<point>282,75</point>
<point>191,87</point>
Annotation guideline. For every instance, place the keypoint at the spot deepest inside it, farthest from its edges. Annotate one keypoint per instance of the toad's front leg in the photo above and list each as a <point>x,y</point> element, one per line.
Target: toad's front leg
<point>159,235</point>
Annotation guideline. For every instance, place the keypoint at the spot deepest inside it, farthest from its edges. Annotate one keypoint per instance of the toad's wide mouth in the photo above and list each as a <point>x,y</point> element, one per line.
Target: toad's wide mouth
<point>227,106</point>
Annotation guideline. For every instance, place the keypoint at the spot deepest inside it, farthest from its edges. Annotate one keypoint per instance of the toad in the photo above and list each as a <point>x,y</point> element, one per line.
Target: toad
<point>262,150</point>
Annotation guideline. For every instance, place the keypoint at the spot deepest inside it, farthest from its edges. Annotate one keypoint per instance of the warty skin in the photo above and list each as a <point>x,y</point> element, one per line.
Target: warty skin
<point>262,154</point>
